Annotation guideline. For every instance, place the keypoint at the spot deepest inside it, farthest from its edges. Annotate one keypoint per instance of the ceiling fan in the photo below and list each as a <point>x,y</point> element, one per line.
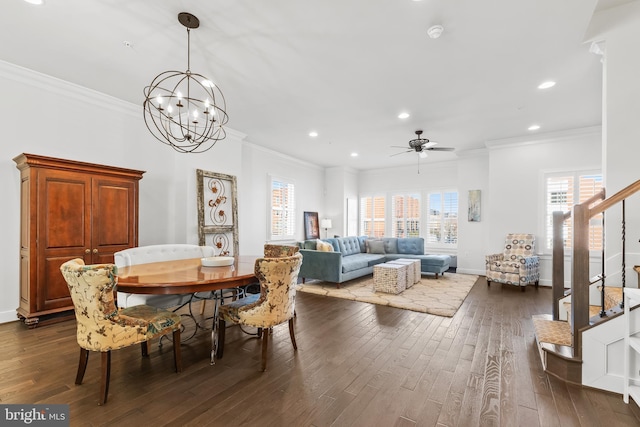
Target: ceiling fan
<point>421,146</point>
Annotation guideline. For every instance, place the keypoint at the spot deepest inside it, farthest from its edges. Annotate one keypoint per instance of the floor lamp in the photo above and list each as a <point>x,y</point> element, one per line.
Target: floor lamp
<point>326,224</point>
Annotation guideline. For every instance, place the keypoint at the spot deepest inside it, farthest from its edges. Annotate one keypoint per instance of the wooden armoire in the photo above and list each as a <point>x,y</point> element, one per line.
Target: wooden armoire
<point>69,210</point>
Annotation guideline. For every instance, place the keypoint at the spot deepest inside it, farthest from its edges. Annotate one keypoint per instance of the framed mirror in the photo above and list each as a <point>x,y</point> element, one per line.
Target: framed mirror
<point>217,212</point>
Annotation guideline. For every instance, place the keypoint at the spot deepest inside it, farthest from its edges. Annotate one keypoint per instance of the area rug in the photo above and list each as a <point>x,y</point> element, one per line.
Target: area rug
<point>442,296</point>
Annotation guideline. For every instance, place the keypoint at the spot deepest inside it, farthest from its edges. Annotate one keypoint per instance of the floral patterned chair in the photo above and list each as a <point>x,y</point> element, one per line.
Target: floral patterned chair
<point>102,327</point>
<point>275,304</point>
<point>517,265</point>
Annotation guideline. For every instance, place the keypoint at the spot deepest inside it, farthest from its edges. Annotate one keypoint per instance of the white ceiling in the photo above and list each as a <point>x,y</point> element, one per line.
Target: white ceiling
<point>344,68</point>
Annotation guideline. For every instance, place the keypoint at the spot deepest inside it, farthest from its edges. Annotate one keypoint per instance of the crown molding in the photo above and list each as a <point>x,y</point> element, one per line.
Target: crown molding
<point>543,138</point>
<point>287,157</point>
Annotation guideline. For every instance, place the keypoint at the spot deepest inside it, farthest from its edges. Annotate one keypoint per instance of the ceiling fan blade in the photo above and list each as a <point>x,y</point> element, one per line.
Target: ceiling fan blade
<point>402,152</point>
<point>398,146</point>
<point>429,144</point>
<point>440,149</point>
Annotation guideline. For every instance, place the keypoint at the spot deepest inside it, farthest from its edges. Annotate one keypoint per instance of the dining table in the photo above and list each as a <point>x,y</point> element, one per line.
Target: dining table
<point>188,276</point>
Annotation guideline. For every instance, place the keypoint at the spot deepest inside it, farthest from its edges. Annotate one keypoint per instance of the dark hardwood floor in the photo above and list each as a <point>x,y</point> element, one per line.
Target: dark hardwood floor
<point>357,364</point>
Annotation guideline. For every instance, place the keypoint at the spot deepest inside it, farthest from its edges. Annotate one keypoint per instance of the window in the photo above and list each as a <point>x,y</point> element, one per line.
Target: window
<point>283,209</point>
<point>372,216</point>
<point>405,215</point>
<point>562,192</point>
<point>442,218</point>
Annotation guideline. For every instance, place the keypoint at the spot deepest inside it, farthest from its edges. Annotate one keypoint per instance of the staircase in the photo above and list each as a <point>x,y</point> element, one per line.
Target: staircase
<point>583,340</point>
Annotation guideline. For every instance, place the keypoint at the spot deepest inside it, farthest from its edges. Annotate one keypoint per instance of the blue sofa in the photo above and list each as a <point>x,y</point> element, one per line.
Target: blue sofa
<point>350,258</point>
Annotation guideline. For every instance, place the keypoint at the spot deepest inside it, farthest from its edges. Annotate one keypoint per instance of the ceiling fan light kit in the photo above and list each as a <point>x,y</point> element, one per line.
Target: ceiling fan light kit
<point>185,110</point>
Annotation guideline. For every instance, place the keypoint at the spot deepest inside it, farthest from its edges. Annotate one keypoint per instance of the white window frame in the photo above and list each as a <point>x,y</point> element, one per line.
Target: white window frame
<point>405,214</point>
<point>546,221</point>
<point>290,209</point>
<point>427,219</point>
<point>361,219</point>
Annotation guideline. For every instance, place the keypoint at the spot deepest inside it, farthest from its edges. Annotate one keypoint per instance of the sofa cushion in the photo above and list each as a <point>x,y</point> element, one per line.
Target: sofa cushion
<point>376,247</point>
<point>363,245</point>
<point>309,244</point>
<point>349,245</point>
<point>390,245</point>
<point>324,246</point>
<point>334,243</point>
<point>410,245</point>
<point>354,262</point>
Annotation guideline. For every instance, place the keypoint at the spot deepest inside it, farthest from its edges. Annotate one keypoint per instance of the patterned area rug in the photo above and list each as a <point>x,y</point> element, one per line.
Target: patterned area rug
<point>442,296</point>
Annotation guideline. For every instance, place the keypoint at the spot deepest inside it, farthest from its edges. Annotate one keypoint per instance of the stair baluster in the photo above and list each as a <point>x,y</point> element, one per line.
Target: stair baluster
<point>624,263</point>
<point>603,312</point>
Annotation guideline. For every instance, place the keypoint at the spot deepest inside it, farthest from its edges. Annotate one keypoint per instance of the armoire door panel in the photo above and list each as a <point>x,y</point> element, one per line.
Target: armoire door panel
<point>112,223</point>
<point>56,293</point>
<point>64,204</point>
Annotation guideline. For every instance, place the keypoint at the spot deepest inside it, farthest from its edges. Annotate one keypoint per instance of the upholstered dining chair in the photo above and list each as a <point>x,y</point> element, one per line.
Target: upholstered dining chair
<point>517,264</point>
<point>102,327</point>
<point>274,305</point>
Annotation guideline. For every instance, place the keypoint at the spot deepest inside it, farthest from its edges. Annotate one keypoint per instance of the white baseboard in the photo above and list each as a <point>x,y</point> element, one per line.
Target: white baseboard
<point>8,316</point>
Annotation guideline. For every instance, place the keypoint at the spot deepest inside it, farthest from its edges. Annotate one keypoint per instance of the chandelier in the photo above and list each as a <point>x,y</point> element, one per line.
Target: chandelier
<point>183,109</point>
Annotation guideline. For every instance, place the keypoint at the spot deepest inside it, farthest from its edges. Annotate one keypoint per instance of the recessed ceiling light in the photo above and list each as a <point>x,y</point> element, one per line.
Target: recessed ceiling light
<point>435,31</point>
<point>546,85</point>
<point>36,2</point>
<point>534,127</point>
<point>313,134</point>
<point>403,115</point>
<point>354,154</point>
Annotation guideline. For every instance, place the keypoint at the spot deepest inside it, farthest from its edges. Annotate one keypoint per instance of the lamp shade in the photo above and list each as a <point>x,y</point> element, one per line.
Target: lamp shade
<point>325,223</point>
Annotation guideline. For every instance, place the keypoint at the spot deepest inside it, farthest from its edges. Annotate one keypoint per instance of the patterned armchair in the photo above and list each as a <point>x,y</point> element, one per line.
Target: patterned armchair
<point>102,327</point>
<point>517,265</point>
<point>275,304</point>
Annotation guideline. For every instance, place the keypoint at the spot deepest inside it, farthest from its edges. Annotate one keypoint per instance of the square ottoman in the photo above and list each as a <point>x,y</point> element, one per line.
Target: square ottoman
<point>413,269</point>
<point>390,278</point>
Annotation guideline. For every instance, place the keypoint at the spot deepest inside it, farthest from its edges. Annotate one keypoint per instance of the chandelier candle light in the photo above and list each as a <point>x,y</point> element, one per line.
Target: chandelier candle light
<point>183,109</point>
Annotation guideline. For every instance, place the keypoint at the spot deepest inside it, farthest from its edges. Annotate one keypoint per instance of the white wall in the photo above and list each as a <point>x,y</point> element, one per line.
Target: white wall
<point>258,164</point>
<point>617,30</point>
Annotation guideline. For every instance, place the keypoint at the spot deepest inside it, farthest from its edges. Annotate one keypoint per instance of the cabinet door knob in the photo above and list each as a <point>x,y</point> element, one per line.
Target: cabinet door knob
<point>87,251</point>
<point>95,251</point>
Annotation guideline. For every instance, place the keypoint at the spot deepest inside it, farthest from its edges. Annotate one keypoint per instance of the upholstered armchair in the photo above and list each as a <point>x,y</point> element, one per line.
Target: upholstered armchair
<point>517,264</point>
<point>274,305</point>
<point>102,327</point>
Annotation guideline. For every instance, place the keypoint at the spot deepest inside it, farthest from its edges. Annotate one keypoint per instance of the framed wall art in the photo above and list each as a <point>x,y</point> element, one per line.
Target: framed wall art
<point>474,206</point>
<point>311,225</point>
<point>217,212</point>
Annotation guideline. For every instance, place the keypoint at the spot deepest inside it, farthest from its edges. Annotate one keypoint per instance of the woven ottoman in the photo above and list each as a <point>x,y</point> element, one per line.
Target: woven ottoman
<point>390,278</point>
<point>413,269</point>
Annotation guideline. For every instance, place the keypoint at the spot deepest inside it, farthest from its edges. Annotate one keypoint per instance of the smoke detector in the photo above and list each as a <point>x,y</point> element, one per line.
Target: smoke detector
<point>435,31</point>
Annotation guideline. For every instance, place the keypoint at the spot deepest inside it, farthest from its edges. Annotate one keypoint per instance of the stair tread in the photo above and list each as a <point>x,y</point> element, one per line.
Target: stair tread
<point>552,331</point>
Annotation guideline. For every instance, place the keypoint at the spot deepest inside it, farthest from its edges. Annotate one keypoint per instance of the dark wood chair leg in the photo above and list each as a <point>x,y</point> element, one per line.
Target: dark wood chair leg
<point>82,365</point>
<point>144,346</point>
<point>292,334</point>
<point>537,282</point>
<point>524,288</point>
<point>106,375</point>
<point>222,325</point>
<point>259,333</point>
<point>177,355</point>
<point>265,344</point>
<point>488,283</point>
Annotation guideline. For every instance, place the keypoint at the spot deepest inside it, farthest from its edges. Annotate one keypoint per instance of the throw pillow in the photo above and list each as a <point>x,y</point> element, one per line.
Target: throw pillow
<point>324,246</point>
<point>376,246</point>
